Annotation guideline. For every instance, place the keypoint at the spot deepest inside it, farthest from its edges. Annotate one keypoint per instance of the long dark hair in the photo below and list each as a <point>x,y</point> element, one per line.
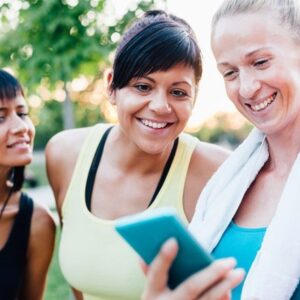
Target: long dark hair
<point>10,88</point>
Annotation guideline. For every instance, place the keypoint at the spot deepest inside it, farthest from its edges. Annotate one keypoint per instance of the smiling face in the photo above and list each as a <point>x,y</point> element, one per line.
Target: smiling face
<point>260,62</point>
<point>16,133</point>
<point>154,109</point>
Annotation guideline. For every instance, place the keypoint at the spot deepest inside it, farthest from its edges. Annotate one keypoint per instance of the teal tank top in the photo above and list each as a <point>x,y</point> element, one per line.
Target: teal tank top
<point>243,244</point>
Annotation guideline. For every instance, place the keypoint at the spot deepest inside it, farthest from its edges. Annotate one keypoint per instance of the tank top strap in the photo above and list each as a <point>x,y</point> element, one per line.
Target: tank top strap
<point>83,164</point>
<point>19,236</point>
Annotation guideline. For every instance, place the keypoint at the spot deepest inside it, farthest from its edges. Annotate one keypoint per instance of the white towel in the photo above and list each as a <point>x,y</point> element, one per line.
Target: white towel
<point>275,271</point>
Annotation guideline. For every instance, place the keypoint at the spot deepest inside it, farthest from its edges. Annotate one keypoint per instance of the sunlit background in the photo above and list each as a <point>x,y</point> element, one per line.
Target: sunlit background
<point>212,97</point>
<point>212,108</point>
<point>61,57</point>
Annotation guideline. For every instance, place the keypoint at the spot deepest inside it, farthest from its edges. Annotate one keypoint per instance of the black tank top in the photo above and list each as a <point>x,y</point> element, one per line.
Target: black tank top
<point>13,254</point>
<point>96,162</point>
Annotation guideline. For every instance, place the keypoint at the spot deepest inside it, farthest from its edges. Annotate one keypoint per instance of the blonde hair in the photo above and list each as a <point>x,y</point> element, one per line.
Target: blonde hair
<point>287,12</point>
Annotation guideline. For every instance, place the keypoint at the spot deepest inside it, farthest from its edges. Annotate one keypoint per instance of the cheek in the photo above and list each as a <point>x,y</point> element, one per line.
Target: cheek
<point>185,110</point>
<point>31,129</point>
<point>232,92</point>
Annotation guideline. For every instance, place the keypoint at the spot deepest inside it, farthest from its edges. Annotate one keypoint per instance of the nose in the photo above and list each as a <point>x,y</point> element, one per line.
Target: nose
<point>249,85</point>
<point>18,125</point>
<point>159,104</point>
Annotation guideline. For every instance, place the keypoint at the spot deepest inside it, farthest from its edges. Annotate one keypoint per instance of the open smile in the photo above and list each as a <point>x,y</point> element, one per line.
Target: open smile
<point>262,105</point>
<point>19,144</point>
<point>154,124</point>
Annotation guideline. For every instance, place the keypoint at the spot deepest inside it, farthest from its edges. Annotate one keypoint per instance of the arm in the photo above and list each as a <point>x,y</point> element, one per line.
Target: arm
<point>214,282</point>
<point>40,249</point>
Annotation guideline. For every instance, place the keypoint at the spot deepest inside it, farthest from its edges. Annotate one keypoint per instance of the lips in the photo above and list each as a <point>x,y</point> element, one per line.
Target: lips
<point>155,124</point>
<point>262,105</point>
<point>19,143</point>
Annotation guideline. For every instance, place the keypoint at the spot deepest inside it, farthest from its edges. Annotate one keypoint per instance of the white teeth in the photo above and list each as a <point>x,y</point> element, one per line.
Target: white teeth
<point>154,124</point>
<point>263,104</point>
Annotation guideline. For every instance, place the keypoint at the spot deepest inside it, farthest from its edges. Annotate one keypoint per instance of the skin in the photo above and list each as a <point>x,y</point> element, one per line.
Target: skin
<point>256,68</point>
<point>215,282</point>
<point>135,153</point>
<point>260,63</point>
<point>16,140</point>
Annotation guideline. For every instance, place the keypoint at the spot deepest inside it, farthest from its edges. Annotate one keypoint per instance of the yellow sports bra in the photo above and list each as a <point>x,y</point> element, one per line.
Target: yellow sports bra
<point>93,258</point>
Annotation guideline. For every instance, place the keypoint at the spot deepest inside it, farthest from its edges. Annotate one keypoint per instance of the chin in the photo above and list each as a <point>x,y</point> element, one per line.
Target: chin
<point>152,150</point>
<point>23,162</point>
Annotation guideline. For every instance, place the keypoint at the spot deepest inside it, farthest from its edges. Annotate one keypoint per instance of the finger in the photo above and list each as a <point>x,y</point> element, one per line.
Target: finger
<point>200,282</point>
<point>222,289</point>
<point>144,266</point>
<point>158,270</point>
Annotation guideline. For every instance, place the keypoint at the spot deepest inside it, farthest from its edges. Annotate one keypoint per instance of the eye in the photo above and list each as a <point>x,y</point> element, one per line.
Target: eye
<point>2,119</point>
<point>230,74</point>
<point>23,115</point>
<point>179,93</point>
<point>261,63</point>
<point>142,87</point>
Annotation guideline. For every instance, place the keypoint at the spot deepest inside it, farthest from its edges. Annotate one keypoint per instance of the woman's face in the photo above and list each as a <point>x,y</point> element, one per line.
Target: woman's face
<point>260,63</point>
<point>154,109</point>
<point>16,133</point>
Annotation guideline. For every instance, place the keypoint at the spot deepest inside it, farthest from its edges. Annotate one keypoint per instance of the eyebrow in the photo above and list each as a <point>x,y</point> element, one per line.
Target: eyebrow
<point>4,108</point>
<point>246,56</point>
<point>175,83</point>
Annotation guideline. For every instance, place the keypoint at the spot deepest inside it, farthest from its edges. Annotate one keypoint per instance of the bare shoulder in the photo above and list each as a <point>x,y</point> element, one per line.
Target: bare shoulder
<point>39,253</point>
<point>65,145</point>
<point>208,157</point>
<point>42,224</point>
<point>42,232</point>
<point>61,155</point>
<point>205,160</point>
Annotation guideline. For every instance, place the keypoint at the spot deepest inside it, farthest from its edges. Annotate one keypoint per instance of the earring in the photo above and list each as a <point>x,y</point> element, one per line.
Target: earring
<point>10,179</point>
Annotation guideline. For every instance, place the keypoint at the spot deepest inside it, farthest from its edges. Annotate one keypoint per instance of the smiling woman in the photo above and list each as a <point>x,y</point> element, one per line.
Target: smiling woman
<point>252,201</point>
<point>101,173</point>
<point>26,229</point>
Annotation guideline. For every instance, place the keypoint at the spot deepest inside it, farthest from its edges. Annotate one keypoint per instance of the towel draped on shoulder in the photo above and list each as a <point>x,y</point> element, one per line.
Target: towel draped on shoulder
<point>275,271</point>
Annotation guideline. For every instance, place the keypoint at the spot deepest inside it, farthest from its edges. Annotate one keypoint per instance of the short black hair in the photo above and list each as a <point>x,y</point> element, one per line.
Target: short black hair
<point>10,88</point>
<point>155,42</point>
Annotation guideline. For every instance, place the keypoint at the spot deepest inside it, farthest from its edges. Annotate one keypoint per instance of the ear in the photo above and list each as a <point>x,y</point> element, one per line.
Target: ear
<point>110,92</point>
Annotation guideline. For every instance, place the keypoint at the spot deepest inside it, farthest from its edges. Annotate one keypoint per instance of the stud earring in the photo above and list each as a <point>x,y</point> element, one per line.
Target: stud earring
<point>10,179</point>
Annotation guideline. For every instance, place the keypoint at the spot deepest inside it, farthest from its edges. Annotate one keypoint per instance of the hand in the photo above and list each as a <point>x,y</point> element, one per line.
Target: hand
<point>214,282</point>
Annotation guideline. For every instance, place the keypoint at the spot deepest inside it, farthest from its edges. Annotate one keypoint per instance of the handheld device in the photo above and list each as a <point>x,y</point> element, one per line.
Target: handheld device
<point>147,231</point>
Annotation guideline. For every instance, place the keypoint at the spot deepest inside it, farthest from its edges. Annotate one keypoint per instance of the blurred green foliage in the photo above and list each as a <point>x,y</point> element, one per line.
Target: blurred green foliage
<point>226,129</point>
<point>50,119</point>
<point>51,42</point>
<point>56,40</point>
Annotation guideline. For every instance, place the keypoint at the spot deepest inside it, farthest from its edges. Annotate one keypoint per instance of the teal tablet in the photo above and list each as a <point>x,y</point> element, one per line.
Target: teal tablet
<point>146,232</point>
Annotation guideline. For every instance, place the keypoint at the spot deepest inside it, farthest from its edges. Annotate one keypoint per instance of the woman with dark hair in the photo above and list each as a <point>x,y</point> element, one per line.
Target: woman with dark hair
<point>101,173</point>
<point>26,229</point>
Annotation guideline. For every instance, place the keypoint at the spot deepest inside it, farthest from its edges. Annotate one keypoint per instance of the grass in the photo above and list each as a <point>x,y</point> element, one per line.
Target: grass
<point>57,287</point>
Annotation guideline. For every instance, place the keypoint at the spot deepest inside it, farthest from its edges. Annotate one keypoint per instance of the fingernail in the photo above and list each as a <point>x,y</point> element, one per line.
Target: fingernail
<point>170,244</point>
<point>229,262</point>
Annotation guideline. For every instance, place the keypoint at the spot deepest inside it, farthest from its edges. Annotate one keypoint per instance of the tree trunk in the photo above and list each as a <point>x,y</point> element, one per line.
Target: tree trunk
<point>68,113</point>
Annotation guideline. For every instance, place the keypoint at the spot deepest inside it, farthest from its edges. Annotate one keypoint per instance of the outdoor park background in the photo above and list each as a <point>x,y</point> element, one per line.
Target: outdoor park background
<point>60,49</point>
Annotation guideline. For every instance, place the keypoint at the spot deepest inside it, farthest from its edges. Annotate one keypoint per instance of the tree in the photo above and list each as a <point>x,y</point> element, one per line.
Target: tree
<point>226,129</point>
<point>53,41</point>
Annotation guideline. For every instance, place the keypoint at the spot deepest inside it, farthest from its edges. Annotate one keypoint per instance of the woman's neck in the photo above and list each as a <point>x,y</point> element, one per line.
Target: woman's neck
<point>283,153</point>
<point>129,158</point>
<point>4,189</point>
